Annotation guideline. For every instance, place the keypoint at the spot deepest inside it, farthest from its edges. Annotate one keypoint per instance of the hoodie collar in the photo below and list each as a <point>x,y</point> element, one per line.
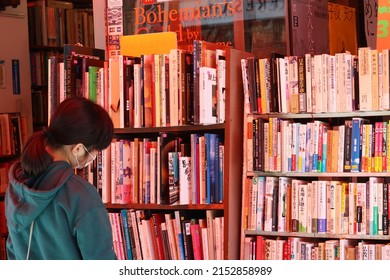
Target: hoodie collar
<point>27,197</point>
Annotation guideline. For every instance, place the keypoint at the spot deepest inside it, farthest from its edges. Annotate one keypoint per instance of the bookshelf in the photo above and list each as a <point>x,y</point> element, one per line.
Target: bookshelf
<point>52,24</point>
<point>289,203</point>
<point>230,132</point>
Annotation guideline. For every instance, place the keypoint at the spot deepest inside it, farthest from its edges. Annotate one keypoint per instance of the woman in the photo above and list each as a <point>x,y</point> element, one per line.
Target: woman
<point>51,212</point>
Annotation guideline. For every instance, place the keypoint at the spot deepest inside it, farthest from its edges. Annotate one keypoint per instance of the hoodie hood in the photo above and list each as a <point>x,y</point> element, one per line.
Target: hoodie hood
<point>28,197</point>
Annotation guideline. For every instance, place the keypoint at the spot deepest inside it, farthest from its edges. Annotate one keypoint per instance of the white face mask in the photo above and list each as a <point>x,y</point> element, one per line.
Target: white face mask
<point>87,162</point>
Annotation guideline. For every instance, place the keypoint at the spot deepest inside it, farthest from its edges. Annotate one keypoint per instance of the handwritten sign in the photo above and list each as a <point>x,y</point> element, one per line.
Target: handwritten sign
<point>383,28</point>
<point>370,21</point>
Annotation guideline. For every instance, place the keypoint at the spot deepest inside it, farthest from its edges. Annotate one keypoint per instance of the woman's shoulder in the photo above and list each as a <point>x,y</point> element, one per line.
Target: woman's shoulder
<point>81,190</point>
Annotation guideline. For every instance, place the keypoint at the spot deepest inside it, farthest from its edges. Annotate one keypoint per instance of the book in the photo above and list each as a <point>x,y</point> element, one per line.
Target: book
<point>73,56</point>
<point>207,95</point>
<point>342,29</point>
<point>309,27</point>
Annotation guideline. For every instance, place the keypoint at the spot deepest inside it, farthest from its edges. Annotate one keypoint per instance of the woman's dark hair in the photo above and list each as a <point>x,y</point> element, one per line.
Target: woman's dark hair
<point>76,120</point>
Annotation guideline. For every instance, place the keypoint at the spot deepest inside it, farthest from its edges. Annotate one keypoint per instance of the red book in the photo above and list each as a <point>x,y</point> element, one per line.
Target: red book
<point>157,219</point>
<point>196,240</point>
<point>260,247</point>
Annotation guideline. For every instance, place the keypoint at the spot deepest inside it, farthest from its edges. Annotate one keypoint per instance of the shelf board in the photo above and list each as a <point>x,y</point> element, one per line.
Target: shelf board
<point>45,48</point>
<point>165,207</point>
<point>326,115</point>
<point>319,174</point>
<point>8,158</point>
<point>318,235</point>
<point>182,128</point>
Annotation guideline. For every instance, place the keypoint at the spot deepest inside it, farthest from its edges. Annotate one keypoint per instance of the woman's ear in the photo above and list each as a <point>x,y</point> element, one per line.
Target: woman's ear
<point>78,150</point>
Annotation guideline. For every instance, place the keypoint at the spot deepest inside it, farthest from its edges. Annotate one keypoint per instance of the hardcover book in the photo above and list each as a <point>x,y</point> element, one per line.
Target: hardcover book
<point>309,27</point>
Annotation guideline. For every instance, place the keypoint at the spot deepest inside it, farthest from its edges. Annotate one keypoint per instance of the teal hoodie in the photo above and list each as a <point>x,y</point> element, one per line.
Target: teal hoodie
<point>70,220</point>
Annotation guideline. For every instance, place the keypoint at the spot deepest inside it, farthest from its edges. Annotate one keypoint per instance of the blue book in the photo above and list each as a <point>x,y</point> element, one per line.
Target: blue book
<point>194,168</point>
<point>221,158</point>
<point>208,168</point>
<point>126,234</point>
<point>356,143</point>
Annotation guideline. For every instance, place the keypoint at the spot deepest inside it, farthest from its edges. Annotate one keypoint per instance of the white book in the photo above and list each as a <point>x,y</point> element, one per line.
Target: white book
<point>331,206</point>
<point>331,85</point>
<point>380,207</point>
<point>338,212</point>
<point>380,81</point>
<point>302,208</point>
<point>284,185</point>
<point>137,96</point>
<point>156,68</point>
<point>349,83</point>
<point>309,202</point>
<point>317,84</point>
<point>164,92</point>
<point>365,81</point>
<point>174,87</point>
<point>185,180</point>
<point>284,88</point>
<point>218,238</point>
<point>293,84</point>
<point>244,71</point>
<point>260,202</point>
<point>340,81</point>
<point>149,237</point>
<point>314,207</point>
<point>221,84</point>
<point>374,79</point>
<point>207,95</point>
<point>322,198</point>
<point>295,183</point>
<point>324,82</point>
<point>205,243</point>
<point>308,69</point>
<point>385,79</point>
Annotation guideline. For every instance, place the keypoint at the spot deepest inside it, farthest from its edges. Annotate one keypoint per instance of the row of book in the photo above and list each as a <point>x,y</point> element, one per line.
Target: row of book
<point>282,204</point>
<point>152,90</point>
<point>355,145</point>
<point>162,170</point>
<point>299,248</point>
<point>342,82</point>
<point>12,134</point>
<point>55,23</point>
<point>140,235</point>
<point>165,90</point>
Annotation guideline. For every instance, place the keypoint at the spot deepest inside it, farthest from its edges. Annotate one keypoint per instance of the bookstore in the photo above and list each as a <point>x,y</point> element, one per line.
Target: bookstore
<point>236,130</point>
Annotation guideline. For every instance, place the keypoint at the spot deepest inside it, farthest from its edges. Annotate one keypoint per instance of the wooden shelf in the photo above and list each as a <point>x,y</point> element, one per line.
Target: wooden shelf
<point>320,174</point>
<point>8,158</point>
<point>166,207</point>
<point>170,129</point>
<point>338,115</point>
<point>318,235</point>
